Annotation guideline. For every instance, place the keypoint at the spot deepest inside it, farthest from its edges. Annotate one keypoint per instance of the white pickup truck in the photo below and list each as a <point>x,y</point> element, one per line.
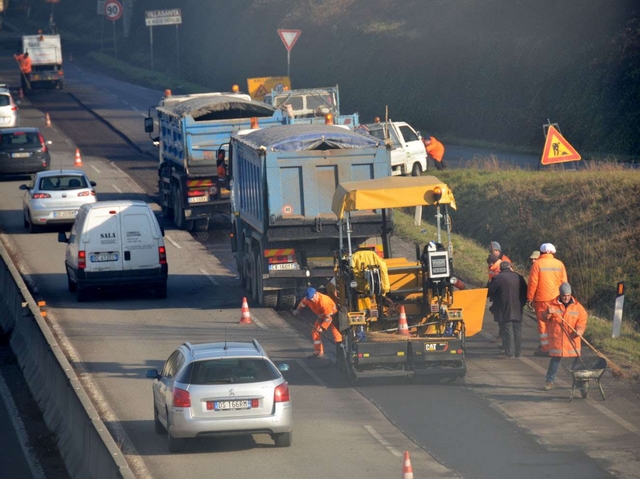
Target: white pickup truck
<point>408,155</point>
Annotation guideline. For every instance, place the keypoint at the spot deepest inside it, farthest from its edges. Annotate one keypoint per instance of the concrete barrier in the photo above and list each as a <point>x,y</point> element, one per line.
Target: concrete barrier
<point>86,446</point>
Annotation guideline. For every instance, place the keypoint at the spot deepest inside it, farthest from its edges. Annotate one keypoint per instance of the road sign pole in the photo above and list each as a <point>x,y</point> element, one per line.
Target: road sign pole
<point>115,45</point>
<point>288,63</point>
<point>151,45</point>
<point>178,51</point>
<point>102,35</point>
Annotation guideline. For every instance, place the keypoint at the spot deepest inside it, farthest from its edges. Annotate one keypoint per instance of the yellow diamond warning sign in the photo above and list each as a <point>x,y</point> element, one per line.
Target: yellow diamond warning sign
<point>259,87</point>
<point>557,149</point>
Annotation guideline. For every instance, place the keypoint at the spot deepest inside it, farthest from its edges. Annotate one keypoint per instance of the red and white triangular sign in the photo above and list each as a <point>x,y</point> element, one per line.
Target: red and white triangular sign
<point>557,149</point>
<point>289,37</point>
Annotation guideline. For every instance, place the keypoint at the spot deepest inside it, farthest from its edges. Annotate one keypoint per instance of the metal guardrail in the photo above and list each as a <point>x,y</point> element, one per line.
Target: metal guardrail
<point>87,448</point>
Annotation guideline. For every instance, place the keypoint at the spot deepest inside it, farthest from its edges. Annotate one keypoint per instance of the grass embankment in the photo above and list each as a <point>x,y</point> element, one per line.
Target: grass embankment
<point>592,216</point>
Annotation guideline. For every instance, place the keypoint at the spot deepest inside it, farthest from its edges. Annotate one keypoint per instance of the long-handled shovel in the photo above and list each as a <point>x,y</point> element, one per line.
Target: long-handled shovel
<point>616,370</point>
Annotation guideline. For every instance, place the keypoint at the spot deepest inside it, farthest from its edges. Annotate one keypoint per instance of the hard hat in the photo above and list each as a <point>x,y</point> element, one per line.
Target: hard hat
<point>547,248</point>
<point>495,246</point>
<point>565,288</point>
<point>535,255</point>
<point>311,292</point>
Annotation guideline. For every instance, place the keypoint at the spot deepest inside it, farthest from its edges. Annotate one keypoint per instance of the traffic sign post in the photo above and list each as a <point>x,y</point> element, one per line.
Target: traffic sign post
<point>154,18</point>
<point>289,38</point>
<point>113,11</point>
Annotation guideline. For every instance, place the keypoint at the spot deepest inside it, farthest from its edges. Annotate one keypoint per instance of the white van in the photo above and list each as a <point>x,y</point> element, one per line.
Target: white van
<point>115,244</point>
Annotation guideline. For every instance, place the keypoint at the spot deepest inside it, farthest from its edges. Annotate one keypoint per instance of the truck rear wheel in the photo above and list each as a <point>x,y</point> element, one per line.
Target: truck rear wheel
<point>286,299</point>
<point>201,224</point>
<point>416,170</point>
<point>266,299</point>
<point>178,213</point>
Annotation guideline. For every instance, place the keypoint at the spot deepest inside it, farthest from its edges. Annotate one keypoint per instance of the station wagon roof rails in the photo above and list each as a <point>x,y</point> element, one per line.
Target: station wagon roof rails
<point>256,344</point>
<point>189,346</point>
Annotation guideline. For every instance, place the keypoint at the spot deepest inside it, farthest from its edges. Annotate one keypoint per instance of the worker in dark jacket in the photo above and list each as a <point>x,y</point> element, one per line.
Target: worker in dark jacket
<point>508,291</point>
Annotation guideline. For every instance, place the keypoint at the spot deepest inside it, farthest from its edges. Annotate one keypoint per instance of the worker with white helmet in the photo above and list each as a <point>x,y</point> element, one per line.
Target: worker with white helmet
<point>546,276</point>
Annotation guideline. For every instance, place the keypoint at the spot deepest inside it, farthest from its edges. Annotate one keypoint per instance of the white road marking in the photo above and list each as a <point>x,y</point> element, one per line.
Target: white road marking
<point>383,441</point>
<point>597,406</point>
<point>136,109</point>
<point>18,425</point>
<point>257,321</point>
<point>210,277</point>
<point>115,187</point>
<point>96,169</point>
<point>313,375</point>
<point>170,240</point>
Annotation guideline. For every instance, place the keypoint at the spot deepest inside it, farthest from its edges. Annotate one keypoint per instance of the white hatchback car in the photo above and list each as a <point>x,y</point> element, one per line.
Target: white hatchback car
<point>53,197</point>
<point>8,108</point>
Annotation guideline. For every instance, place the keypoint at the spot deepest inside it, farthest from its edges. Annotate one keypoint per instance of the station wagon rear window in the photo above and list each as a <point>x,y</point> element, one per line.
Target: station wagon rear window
<point>20,139</point>
<point>229,371</point>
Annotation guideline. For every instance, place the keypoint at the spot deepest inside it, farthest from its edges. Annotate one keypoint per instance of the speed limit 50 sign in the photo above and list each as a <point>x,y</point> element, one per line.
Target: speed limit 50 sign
<point>113,10</point>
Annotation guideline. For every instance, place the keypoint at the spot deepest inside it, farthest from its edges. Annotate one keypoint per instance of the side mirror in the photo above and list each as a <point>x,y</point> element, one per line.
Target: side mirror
<point>153,374</point>
<point>283,367</point>
<point>148,124</point>
<point>62,237</point>
<point>23,187</point>
<point>49,142</point>
<point>92,183</point>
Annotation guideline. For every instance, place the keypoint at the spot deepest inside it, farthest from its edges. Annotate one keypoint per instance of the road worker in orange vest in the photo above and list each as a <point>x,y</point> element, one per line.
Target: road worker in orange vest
<point>324,307</point>
<point>546,276</point>
<point>435,150</point>
<point>24,62</point>
<point>566,322</point>
<point>496,256</point>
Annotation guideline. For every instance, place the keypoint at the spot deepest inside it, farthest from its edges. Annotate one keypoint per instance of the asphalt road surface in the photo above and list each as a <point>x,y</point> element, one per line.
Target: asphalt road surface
<point>497,423</point>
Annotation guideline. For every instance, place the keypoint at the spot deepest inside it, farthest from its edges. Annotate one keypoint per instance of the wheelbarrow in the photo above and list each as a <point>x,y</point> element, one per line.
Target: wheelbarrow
<point>583,370</point>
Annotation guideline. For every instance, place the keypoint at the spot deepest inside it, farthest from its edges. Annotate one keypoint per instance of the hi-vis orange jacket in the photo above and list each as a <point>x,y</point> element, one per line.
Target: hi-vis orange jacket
<point>562,340</point>
<point>322,306</point>
<point>545,278</point>
<point>24,62</point>
<point>435,149</point>
<point>494,269</point>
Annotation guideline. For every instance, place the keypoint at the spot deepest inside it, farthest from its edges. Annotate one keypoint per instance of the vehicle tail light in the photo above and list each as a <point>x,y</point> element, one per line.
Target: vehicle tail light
<point>60,73</point>
<point>196,193</point>
<point>39,196</point>
<point>281,393</point>
<point>181,398</point>
<point>42,143</point>
<point>87,193</point>
<point>282,259</point>
<point>162,253</point>
<point>255,403</point>
<point>14,108</point>
<point>82,259</point>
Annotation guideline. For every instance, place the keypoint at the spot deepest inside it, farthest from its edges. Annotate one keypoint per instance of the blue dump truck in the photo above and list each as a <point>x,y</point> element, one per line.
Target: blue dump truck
<point>193,140</point>
<point>284,233</point>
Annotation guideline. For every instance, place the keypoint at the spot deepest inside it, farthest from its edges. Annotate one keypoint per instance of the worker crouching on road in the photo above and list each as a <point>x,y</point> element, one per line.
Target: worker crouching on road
<point>324,307</point>
<point>546,276</point>
<point>435,151</point>
<point>566,321</point>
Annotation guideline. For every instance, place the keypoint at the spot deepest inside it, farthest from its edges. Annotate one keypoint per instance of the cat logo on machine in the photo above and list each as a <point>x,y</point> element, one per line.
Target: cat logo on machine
<point>287,209</point>
<point>439,347</point>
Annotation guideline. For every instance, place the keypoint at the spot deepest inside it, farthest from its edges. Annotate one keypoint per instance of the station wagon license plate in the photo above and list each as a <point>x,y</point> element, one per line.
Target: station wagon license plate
<point>283,266</point>
<point>65,214</point>
<point>100,258</point>
<point>198,199</point>
<point>231,405</point>
<point>25,154</point>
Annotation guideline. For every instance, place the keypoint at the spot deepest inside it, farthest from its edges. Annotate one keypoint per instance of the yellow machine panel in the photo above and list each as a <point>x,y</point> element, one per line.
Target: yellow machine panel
<point>472,302</point>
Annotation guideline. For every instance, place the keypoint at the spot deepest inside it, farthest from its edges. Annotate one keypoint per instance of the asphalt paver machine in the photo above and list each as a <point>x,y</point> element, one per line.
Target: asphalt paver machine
<point>375,294</point>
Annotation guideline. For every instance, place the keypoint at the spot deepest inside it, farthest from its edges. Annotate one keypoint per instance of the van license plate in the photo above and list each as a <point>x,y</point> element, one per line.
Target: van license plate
<point>231,405</point>
<point>198,199</point>
<point>100,258</point>
<point>285,266</point>
<point>20,155</point>
<point>65,214</point>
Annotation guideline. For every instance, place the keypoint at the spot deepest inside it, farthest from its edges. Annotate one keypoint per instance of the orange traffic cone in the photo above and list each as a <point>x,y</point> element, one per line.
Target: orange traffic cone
<point>403,326</point>
<point>78,162</point>
<point>246,315</point>
<point>47,120</point>
<point>167,93</point>
<point>407,470</point>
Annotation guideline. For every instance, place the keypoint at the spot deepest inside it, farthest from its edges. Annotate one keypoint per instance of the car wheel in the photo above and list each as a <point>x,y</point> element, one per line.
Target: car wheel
<point>24,219</point>
<point>159,428</point>
<point>283,439</point>
<point>160,290</point>
<point>72,286</point>
<point>178,213</point>
<point>82,293</point>
<point>33,228</point>
<point>416,170</point>
<point>174,444</point>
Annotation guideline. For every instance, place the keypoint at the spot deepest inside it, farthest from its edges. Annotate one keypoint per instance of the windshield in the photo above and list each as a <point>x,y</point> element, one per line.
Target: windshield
<point>63,182</point>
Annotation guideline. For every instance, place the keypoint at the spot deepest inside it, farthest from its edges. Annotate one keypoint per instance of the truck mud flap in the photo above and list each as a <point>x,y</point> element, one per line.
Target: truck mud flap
<point>372,354</point>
